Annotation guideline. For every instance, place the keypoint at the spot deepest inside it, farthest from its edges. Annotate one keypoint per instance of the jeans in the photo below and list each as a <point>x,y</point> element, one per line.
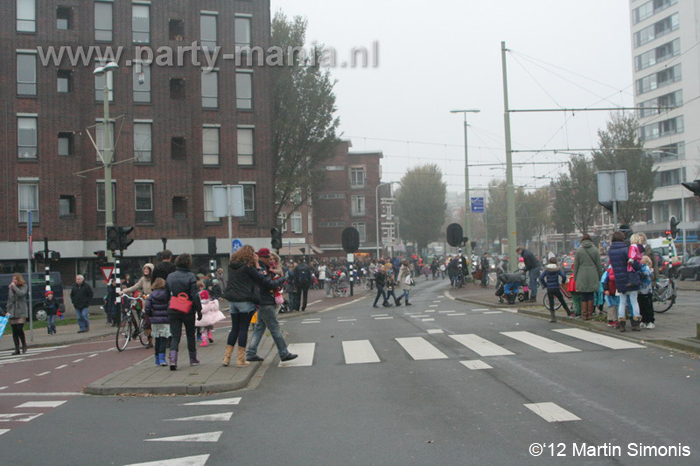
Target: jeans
<point>267,318</point>
<point>380,292</point>
<point>241,313</point>
<point>327,288</point>
<point>51,324</point>
<point>405,295</point>
<point>83,320</point>
<point>534,275</point>
<point>177,320</point>
<point>634,312</point>
<point>160,345</point>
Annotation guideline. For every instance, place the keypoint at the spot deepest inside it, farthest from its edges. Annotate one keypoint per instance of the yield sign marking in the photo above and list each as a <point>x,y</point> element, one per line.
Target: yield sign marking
<point>206,417</point>
<point>204,437</point>
<point>107,273</point>
<point>225,401</point>
<point>186,461</point>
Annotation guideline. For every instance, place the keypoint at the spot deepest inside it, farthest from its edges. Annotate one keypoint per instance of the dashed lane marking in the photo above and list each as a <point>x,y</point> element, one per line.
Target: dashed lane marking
<point>43,373</point>
<point>78,360</point>
<point>41,404</point>
<point>475,365</point>
<point>62,366</point>
<point>493,312</point>
<point>206,417</point>
<point>383,318</point>
<point>22,381</point>
<point>551,412</point>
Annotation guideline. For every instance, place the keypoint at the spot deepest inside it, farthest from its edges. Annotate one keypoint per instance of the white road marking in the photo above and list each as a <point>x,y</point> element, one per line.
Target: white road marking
<point>314,302</point>
<point>419,316</point>
<point>22,381</point>
<point>433,331</point>
<point>430,310</point>
<point>551,412</point>
<point>19,417</point>
<point>347,320</point>
<point>433,305</point>
<point>456,314</point>
<point>305,352</point>
<point>542,343</point>
<point>4,431</point>
<point>512,310</point>
<point>476,364</point>
<point>359,352</point>
<point>438,301</point>
<point>92,355</point>
<point>41,404</point>
<point>311,322</point>
<point>383,318</point>
<point>206,417</point>
<point>602,340</point>
<point>480,346</point>
<point>43,373</point>
<point>341,305</point>
<point>427,320</point>
<point>222,402</point>
<point>3,388</point>
<point>61,367</point>
<point>210,437</point>
<point>44,394</point>
<point>419,349</point>
<point>493,312</point>
<point>200,460</point>
<point>379,315</point>
<point>446,312</point>
<point>78,360</point>
<point>479,310</point>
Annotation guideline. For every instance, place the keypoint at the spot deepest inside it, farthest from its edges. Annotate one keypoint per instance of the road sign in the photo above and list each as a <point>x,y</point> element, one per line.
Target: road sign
<point>107,273</point>
<point>477,204</point>
<point>236,245</point>
<point>228,200</point>
<point>612,186</point>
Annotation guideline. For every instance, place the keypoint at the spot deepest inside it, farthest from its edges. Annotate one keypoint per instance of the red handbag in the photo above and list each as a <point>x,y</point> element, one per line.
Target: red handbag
<point>181,303</point>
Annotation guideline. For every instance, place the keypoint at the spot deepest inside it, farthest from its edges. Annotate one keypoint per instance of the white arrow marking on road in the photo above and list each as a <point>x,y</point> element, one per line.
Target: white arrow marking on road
<point>305,352</point>
<point>542,343</point>
<point>206,417</point>
<point>476,365</point>
<point>602,340</point>
<point>41,404</point>
<point>359,352</point>
<point>209,437</point>
<point>480,346</point>
<point>200,460</point>
<point>419,349</point>
<point>222,402</point>
<point>552,412</point>
<point>19,417</point>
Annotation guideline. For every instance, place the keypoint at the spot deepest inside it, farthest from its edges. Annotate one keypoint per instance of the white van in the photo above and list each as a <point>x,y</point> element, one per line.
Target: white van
<point>665,247</point>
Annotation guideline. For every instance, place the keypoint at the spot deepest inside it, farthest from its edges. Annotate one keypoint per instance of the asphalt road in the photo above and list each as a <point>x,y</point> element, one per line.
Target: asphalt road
<point>439,382</point>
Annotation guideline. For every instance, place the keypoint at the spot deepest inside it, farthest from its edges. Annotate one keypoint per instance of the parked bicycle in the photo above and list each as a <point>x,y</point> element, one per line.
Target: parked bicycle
<point>131,326</point>
<point>567,296</point>
<point>664,294</point>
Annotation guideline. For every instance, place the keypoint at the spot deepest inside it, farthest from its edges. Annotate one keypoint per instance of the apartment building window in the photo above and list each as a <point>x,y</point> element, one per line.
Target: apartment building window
<point>210,88</point>
<point>669,152</point>
<point>63,20</point>
<point>141,24</point>
<point>335,168</point>
<point>282,221</point>
<point>242,32</point>
<point>310,223</point>
<point>27,137</point>
<point>357,177</point>
<point>671,100</point>
<point>650,8</point>
<point>65,144</point>
<point>245,146</point>
<point>296,223</point>
<point>101,201</point>
<point>331,196</point>
<point>26,73</point>
<point>362,230</point>
<point>143,142</point>
<point>209,201</point>
<point>100,140</point>
<point>662,78</point>
<point>143,194</point>
<point>177,89</point>
<point>210,145</point>
<point>357,206</point>
<point>248,202</point>
<point>100,85</point>
<point>662,128</point>
<point>244,90</point>
<point>179,207</point>
<point>26,15</point>
<point>28,200</point>
<point>207,30</point>
<point>142,82</point>
<point>178,148</point>
<point>103,21</point>
<point>63,81</point>
<point>669,177</point>
<point>657,55</point>
<point>176,29</point>
<point>66,206</point>
<point>656,30</point>
<point>296,196</point>
<point>332,225</point>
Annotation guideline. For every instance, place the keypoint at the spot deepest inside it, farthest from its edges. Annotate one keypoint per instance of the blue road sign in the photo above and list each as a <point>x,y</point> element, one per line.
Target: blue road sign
<point>477,204</point>
<point>236,245</point>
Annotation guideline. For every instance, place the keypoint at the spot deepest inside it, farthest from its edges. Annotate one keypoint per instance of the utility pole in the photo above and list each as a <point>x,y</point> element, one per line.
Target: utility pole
<point>510,188</point>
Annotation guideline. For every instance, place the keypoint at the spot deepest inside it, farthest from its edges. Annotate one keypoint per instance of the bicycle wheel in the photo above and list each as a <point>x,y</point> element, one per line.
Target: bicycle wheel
<point>142,332</point>
<point>545,302</point>
<point>124,333</point>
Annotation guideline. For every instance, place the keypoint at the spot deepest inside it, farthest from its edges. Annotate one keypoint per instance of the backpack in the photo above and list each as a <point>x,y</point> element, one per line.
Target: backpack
<point>302,276</point>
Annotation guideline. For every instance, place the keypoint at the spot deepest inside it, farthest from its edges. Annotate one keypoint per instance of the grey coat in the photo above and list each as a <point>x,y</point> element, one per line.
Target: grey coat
<point>588,268</point>
<point>17,302</point>
<point>403,273</point>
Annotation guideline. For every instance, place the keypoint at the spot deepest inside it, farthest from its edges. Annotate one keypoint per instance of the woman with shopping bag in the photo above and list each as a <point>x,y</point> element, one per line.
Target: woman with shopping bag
<point>17,310</point>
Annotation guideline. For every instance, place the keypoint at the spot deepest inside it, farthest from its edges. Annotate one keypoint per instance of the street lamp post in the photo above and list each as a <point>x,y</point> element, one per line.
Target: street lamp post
<point>467,199</point>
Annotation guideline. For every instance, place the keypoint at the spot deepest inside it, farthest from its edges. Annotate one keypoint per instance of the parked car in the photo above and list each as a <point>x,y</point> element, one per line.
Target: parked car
<point>691,269</point>
<point>567,262</point>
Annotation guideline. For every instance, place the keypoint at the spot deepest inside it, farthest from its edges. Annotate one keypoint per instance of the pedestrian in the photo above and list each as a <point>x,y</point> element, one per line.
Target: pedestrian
<point>551,279</point>
<point>165,267</point>
<point>322,269</point>
<point>182,280</point>
<point>532,269</point>
<point>51,308</point>
<point>128,281</point>
<point>291,289</point>
<point>390,285</point>
<point>511,283</point>
<point>144,285</point>
<point>267,310</point>
<point>80,295</point>
<point>211,314</point>
<point>485,266</point>
<point>620,261</point>
<point>404,281</point>
<point>380,282</point>
<point>302,282</point>
<point>588,270</point>
<point>645,295</point>
<point>157,312</point>
<point>611,300</point>
<point>110,303</point>
<point>17,310</point>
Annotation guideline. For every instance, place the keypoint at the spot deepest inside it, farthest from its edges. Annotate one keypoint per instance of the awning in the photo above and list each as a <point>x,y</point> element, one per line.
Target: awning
<point>295,250</point>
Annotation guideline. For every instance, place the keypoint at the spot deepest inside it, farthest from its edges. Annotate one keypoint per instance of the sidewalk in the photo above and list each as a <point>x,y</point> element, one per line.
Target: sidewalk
<point>675,330</point>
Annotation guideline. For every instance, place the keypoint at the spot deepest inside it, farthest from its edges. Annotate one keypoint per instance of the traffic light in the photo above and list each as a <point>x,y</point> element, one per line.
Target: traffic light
<point>694,187</point>
<point>39,255</point>
<point>350,238</point>
<point>455,236</point>
<point>673,226</point>
<point>124,240</point>
<point>113,238</point>
<point>55,256</point>
<point>607,205</point>
<point>211,240</point>
<point>101,256</point>
<point>276,241</point>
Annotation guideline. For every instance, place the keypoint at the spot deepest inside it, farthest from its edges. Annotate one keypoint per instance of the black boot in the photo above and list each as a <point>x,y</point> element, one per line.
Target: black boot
<point>408,304</point>
<point>621,325</point>
<point>397,302</point>
<point>16,351</point>
<point>554,317</point>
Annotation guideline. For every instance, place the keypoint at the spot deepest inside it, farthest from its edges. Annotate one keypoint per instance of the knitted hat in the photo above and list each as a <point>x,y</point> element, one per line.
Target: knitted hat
<point>48,293</point>
<point>204,294</point>
<point>263,252</point>
<point>150,266</point>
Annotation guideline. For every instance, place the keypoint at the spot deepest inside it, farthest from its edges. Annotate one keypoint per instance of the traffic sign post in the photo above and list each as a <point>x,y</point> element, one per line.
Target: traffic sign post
<point>107,273</point>
<point>236,244</point>
<point>477,204</point>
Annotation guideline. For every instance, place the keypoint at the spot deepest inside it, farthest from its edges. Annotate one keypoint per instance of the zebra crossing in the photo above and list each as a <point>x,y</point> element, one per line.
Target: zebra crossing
<point>9,358</point>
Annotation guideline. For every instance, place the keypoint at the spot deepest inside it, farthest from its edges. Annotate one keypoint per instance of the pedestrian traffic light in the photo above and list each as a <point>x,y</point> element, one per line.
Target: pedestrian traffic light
<point>673,226</point>
<point>211,240</point>
<point>607,205</point>
<point>276,240</point>
<point>112,238</point>
<point>39,255</point>
<point>55,256</point>
<point>101,256</point>
<point>124,240</point>
<point>694,187</point>
<point>455,236</point>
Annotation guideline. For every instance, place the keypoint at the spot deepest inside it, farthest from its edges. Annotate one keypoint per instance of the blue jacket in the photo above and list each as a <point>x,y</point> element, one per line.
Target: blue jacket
<point>157,305</point>
<point>550,277</point>
<point>618,253</point>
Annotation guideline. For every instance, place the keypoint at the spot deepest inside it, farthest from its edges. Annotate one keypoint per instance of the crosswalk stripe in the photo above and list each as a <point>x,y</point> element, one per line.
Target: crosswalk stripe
<point>222,402</point>
<point>206,417</point>
<point>305,352</point>
<point>19,417</point>
<point>419,349</point>
<point>433,331</point>
<point>4,431</point>
<point>347,320</point>
<point>602,340</point>
<point>551,412</point>
<point>493,312</point>
<point>476,365</point>
<point>456,314</point>
<point>383,318</point>
<point>199,460</point>
<point>210,437</point>
<point>480,346</point>
<point>428,320</point>
<point>359,352</point>
<point>41,404</point>
<point>542,343</point>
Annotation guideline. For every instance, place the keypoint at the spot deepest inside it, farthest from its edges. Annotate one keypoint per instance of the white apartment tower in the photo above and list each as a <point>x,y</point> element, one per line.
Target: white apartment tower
<point>666,64</point>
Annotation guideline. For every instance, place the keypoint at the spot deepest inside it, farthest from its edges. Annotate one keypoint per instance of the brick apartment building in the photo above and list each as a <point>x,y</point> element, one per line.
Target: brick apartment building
<point>179,130</point>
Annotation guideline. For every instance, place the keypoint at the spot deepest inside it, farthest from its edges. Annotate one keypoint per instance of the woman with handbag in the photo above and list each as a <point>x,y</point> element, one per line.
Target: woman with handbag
<point>184,305</point>
<point>404,281</point>
<point>17,310</point>
<point>588,270</point>
<point>626,282</point>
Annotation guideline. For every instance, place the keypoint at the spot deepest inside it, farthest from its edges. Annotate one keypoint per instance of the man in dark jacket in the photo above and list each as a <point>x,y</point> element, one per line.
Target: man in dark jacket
<point>532,269</point>
<point>302,282</point>
<point>485,268</point>
<point>511,283</point>
<point>267,311</point>
<point>80,295</point>
<point>380,281</point>
<point>165,267</point>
